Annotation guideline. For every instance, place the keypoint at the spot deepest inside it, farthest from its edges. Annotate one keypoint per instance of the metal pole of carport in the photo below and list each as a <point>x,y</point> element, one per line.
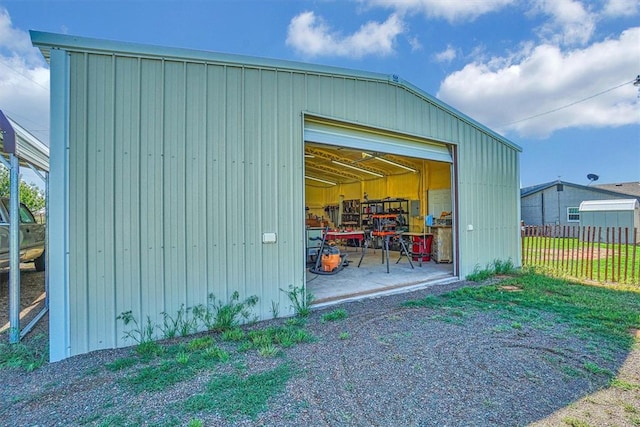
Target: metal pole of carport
<point>14,250</point>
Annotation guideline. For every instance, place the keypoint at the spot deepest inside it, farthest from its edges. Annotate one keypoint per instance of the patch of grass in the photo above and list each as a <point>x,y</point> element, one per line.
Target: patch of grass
<point>426,302</point>
<point>236,395</point>
<point>599,314</point>
<point>624,385</point>
<point>21,356</point>
<point>160,377</point>
<point>479,274</point>
<point>200,343</point>
<point>574,422</point>
<point>149,349</point>
<point>120,364</point>
<point>268,350</point>
<point>337,314</point>
<point>344,335</point>
<point>496,267</point>
<point>113,420</point>
<point>595,369</point>
<point>284,336</point>
<point>234,334</point>
<point>216,353</point>
<point>629,408</point>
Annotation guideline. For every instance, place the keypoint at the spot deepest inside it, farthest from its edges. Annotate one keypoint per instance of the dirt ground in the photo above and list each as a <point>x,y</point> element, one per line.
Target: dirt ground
<point>31,296</point>
<point>80,379</point>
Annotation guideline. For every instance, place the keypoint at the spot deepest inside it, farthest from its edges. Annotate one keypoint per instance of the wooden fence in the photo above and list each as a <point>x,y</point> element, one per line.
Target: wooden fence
<point>602,254</point>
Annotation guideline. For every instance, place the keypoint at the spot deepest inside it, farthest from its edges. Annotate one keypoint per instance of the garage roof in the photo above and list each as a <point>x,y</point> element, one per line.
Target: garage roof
<point>26,147</point>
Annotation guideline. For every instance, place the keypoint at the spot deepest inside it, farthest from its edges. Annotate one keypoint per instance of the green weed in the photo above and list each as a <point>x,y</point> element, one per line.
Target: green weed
<point>234,334</point>
<point>624,385</point>
<point>301,300</point>
<point>222,316</point>
<point>120,364</point>
<point>139,334</point>
<point>496,267</point>
<point>574,422</point>
<point>337,314</point>
<point>216,353</point>
<point>181,325</point>
<point>344,335</point>
<point>235,395</point>
<point>200,343</point>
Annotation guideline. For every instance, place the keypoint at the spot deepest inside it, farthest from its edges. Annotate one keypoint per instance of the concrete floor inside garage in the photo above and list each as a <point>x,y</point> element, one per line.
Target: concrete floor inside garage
<point>371,277</point>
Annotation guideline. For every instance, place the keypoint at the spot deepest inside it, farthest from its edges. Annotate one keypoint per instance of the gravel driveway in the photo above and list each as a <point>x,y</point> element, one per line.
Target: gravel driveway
<point>384,365</point>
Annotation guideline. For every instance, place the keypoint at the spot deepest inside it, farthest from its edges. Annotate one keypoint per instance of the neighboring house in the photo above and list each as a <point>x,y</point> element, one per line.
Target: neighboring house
<point>627,188</point>
<point>558,202</point>
<point>176,174</point>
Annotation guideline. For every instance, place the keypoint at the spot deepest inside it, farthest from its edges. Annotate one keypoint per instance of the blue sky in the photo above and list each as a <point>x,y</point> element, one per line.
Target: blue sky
<point>513,65</point>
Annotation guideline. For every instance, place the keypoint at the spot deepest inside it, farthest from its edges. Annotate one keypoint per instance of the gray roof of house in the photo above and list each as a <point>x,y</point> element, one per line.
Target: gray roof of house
<point>630,188</point>
<point>598,189</point>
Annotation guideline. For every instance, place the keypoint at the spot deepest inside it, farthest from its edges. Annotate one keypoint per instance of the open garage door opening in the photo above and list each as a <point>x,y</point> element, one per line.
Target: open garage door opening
<point>384,204</point>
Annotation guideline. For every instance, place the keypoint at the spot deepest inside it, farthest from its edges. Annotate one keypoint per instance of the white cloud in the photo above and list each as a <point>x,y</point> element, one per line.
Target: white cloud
<point>614,8</point>
<point>501,91</point>
<point>451,10</point>
<point>24,80</point>
<point>311,36</point>
<point>571,23</point>
<point>447,55</point>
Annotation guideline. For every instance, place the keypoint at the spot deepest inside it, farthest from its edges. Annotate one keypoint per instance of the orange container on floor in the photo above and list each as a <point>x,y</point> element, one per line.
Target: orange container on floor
<point>330,262</point>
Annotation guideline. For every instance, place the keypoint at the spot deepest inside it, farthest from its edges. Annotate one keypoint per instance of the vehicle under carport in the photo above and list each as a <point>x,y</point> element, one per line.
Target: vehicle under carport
<point>20,148</point>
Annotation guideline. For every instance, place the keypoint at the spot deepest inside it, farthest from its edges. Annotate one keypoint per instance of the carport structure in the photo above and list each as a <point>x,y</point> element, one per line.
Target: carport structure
<point>19,147</point>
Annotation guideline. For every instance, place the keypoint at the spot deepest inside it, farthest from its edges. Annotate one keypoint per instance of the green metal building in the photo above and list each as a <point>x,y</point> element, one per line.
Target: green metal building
<point>176,174</point>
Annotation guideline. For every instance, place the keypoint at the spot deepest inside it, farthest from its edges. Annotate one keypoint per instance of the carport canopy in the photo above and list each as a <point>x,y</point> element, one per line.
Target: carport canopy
<point>21,148</point>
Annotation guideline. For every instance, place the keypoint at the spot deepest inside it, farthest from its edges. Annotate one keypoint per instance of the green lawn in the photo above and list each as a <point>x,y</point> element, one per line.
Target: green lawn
<point>573,257</point>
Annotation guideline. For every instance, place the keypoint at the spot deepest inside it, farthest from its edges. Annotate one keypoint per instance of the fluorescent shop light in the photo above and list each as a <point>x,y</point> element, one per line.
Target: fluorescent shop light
<point>320,180</point>
<point>357,168</point>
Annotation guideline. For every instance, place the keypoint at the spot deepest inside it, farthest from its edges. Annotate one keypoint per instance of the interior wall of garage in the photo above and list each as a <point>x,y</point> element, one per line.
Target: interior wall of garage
<point>173,163</point>
<point>411,186</point>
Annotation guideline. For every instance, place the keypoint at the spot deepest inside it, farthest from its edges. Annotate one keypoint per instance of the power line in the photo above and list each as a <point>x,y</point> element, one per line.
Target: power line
<point>23,76</point>
<point>569,105</point>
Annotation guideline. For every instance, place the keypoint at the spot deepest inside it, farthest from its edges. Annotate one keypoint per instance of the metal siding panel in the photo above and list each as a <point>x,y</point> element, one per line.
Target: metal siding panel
<point>267,286</point>
<point>292,94</point>
<point>291,187</point>
<point>152,294</point>
<point>174,186</point>
<point>216,182</point>
<point>127,189</point>
<point>235,212</point>
<point>100,200</point>
<point>196,186</point>
<point>78,227</point>
<point>252,244</point>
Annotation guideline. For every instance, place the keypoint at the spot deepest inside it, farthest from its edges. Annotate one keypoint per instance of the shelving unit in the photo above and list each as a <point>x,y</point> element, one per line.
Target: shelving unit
<point>400,207</point>
<point>350,213</point>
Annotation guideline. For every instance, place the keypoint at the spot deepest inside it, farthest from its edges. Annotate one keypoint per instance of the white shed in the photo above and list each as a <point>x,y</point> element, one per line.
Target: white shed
<point>622,213</point>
